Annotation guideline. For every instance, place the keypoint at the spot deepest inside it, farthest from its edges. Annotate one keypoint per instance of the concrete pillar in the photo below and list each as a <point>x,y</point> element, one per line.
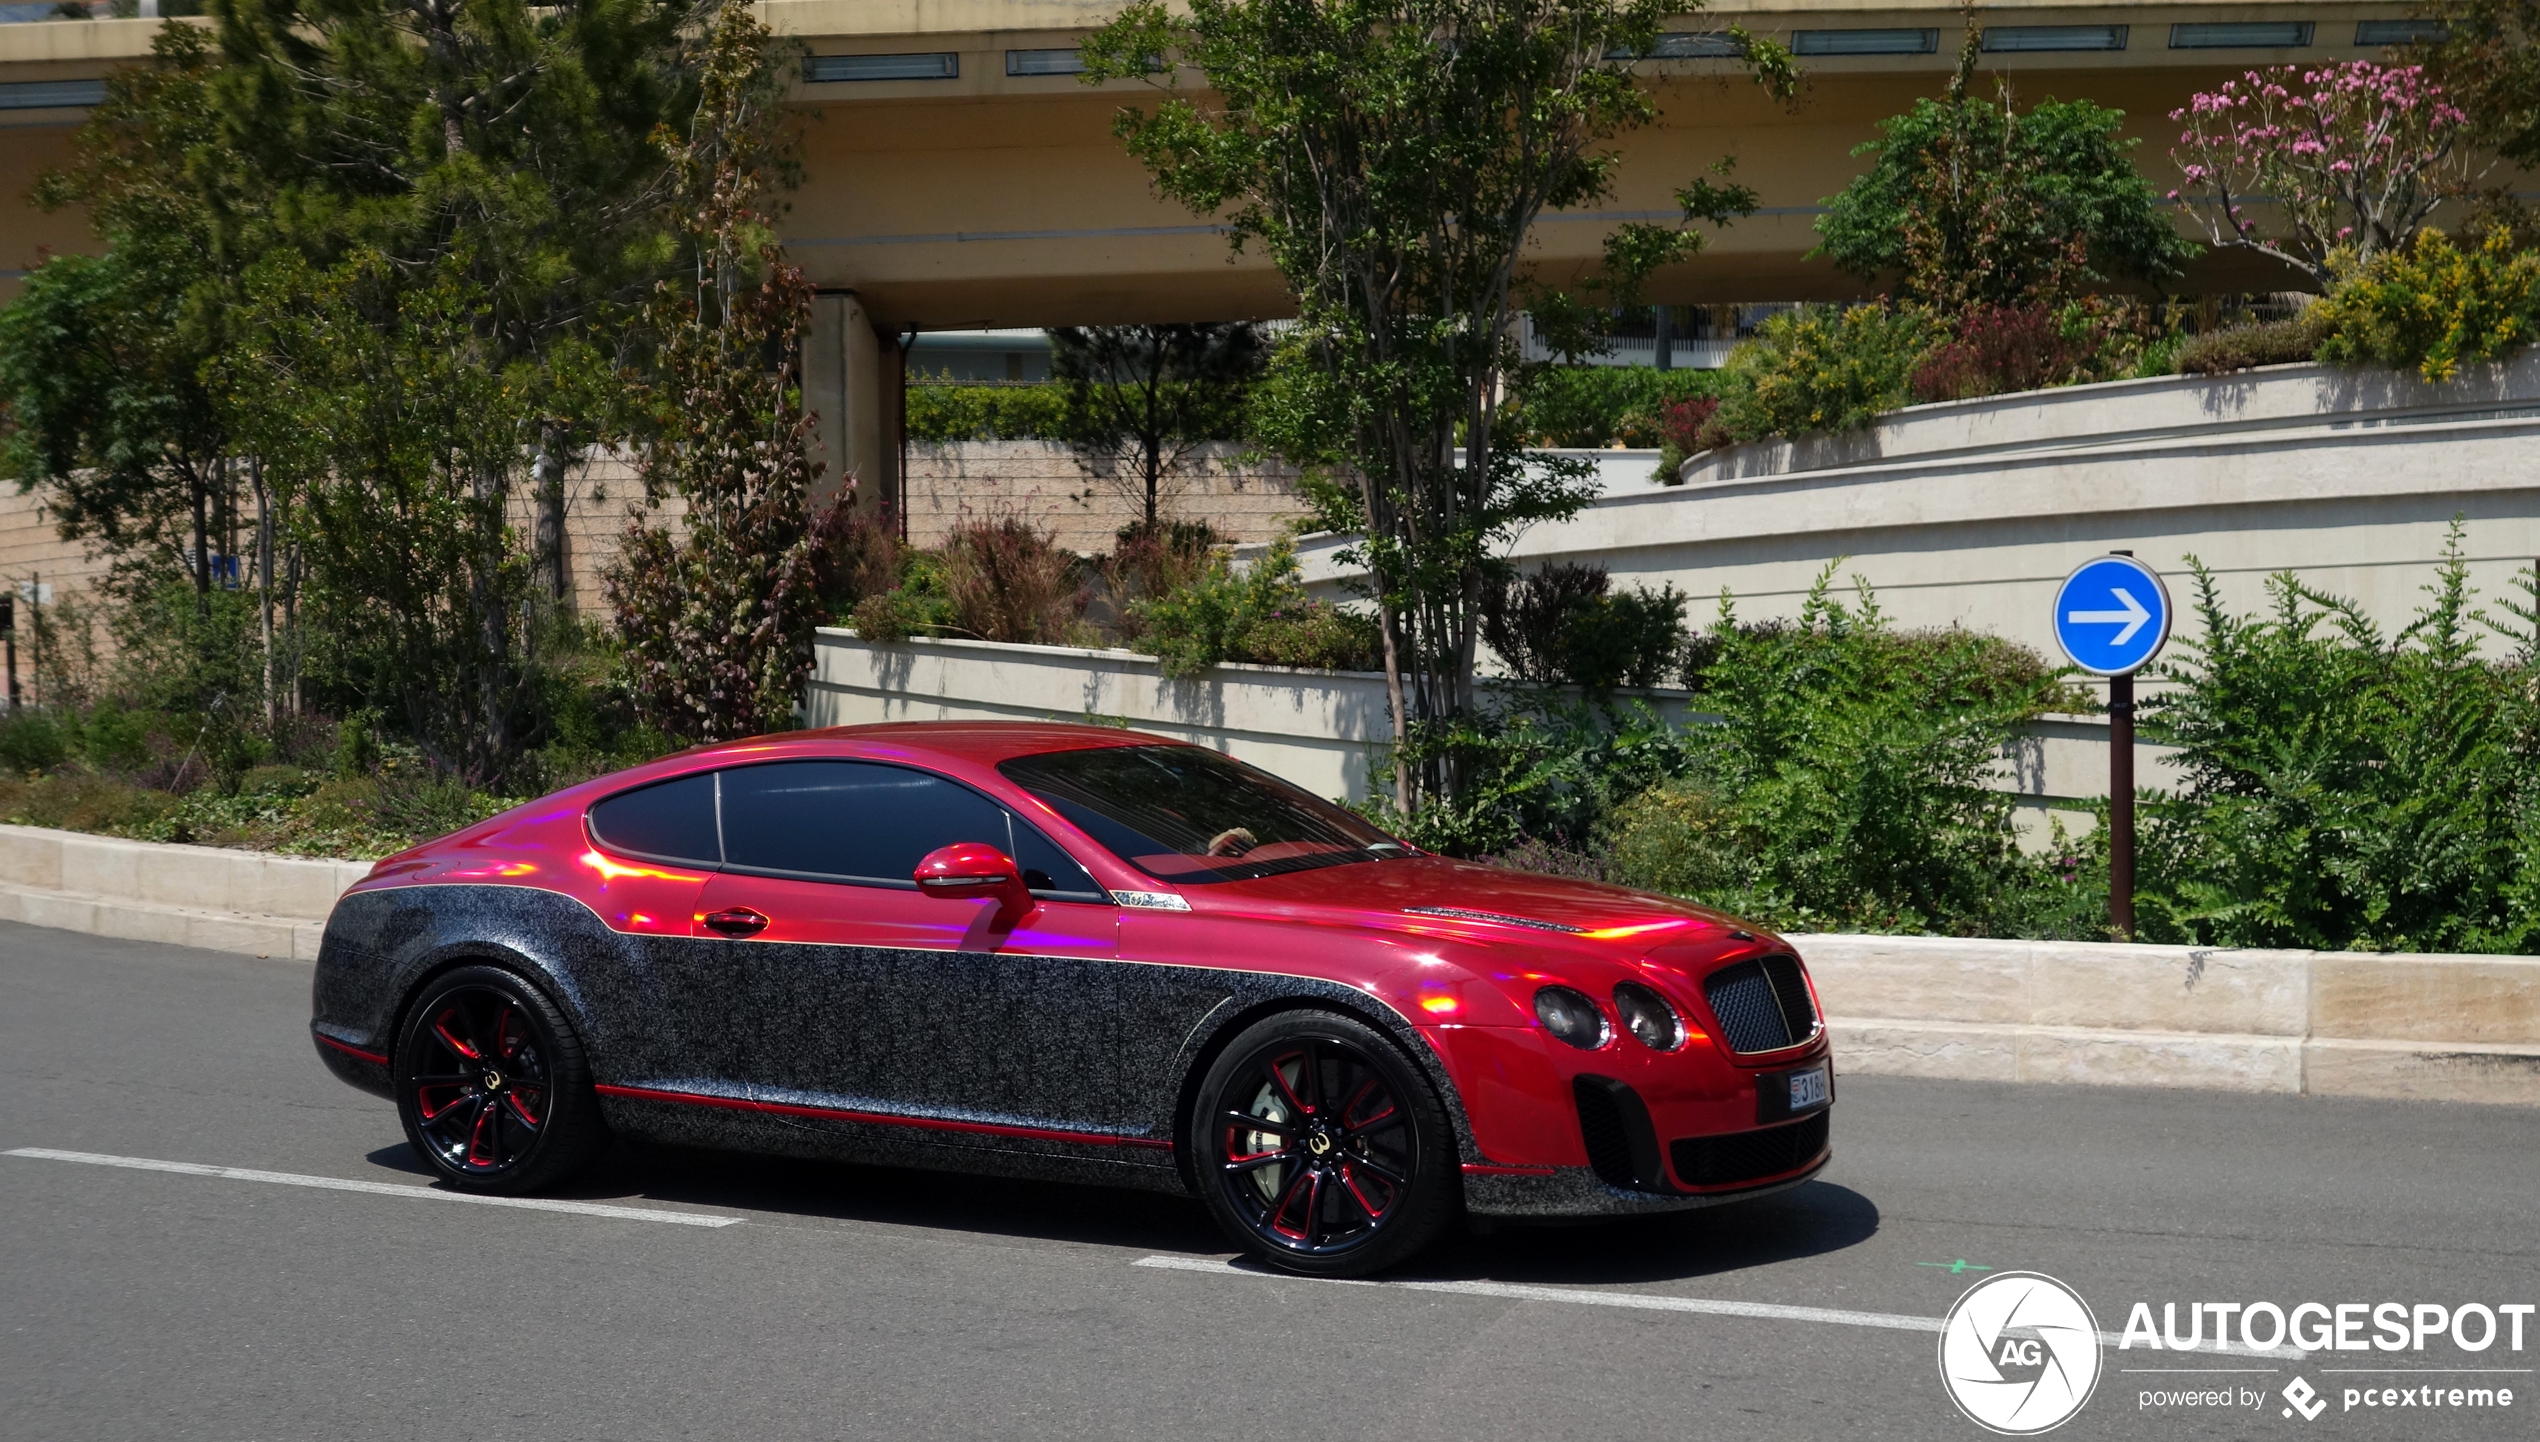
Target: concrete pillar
<point>851,382</point>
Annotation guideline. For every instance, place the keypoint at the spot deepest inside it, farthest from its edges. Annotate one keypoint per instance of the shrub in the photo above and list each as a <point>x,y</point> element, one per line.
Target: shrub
<point>985,411</point>
<point>34,740</point>
<point>1565,625</point>
<point>2433,306</point>
<point>1823,368</point>
<point>1587,405</point>
<point>2345,790</point>
<point>1008,581</point>
<point>1153,561</point>
<point>1261,615</point>
<point>2001,349</point>
<point>2242,347</point>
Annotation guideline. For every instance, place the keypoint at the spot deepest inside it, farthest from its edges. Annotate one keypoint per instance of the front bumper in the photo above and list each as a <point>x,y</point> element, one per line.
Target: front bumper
<point>1578,1192</point>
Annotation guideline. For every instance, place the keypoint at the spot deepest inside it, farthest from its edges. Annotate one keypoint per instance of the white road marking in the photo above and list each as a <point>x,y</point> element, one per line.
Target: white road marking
<point>385,1189</point>
<point>1643,1301</point>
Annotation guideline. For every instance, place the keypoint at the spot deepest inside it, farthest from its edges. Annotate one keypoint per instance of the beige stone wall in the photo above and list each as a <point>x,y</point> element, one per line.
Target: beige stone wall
<point>1041,482</point>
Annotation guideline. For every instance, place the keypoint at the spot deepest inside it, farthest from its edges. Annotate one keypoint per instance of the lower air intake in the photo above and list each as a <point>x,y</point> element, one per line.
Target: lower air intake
<point>1749,1156</point>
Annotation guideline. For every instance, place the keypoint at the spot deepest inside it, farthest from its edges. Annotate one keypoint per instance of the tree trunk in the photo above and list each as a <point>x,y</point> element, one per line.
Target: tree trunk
<point>553,563</point>
<point>264,588</point>
<point>199,493</point>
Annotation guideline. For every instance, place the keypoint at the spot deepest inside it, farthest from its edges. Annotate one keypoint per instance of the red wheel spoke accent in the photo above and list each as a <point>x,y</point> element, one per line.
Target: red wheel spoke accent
<point>441,1029</point>
<point>1314,1209</point>
<point>1357,1097</point>
<point>504,1046</point>
<point>1255,1162</point>
<point>1277,1127</point>
<point>521,1110</point>
<point>1296,1182</point>
<point>1305,1070</point>
<point>482,1136</point>
<point>1349,1184</point>
<point>428,1111</point>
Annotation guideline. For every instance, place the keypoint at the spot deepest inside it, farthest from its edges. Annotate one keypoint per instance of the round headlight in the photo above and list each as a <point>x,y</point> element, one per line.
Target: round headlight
<point>1648,1017</point>
<point>1571,1016</point>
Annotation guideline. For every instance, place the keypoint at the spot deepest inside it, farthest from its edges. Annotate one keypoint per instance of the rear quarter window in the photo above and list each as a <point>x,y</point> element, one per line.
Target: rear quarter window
<point>667,821</point>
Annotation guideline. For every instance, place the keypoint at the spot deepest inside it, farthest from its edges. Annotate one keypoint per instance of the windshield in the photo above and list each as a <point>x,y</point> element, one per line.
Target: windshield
<point>1183,814</point>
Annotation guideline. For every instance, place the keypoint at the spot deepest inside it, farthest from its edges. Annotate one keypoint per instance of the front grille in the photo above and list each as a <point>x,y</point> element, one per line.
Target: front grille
<point>1761,1003</point>
<point>1749,1156</point>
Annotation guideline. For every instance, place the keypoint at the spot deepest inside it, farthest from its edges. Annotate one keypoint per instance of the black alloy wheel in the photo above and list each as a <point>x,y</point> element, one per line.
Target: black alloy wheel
<point>1321,1148</point>
<point>492,1085</point>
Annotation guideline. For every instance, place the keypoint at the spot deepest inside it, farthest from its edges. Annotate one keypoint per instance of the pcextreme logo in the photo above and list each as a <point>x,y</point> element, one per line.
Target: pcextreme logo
<point>2019,1353</point>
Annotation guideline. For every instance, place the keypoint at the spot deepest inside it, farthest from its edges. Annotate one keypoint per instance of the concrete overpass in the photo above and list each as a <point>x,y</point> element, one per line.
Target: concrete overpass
<point>957,175</point>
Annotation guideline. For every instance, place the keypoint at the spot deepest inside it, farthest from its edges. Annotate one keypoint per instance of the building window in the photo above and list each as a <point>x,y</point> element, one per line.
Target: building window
<point>51,94</point>
<point>2032,38</point>
<point>2251,35</point>
<point>1866,42</point>
<point>1044,62</point>
<point>829,69</point>
<point>1687,45</point>
<point>2398,32</point>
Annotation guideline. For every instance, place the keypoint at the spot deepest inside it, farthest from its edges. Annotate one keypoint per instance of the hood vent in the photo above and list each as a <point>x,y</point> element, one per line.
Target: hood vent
<point>1462,915</point>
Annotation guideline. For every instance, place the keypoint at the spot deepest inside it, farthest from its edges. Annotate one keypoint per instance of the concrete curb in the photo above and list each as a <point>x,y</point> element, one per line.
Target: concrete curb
<point>202,896</point>
<point>2449,1028</point>
<point>2444,1028</point>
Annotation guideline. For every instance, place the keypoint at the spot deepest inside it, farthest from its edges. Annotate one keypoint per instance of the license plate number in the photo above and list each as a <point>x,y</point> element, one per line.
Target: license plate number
<point>1810,1089</point>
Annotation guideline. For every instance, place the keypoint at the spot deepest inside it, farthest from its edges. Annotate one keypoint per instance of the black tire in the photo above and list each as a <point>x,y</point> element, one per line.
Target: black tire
<point>1321,1149</point>
<point>492,1085</point>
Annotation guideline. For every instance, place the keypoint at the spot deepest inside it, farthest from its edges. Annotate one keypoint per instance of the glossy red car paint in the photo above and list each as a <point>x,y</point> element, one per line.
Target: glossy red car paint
<point>1465,984</point>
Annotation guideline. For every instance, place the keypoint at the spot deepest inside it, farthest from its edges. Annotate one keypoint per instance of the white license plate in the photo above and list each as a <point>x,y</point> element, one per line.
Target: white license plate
<point>1810,1088</point>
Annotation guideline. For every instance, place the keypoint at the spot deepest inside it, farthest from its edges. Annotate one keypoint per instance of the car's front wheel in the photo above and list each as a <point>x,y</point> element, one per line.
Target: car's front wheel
<point>1320,1148</point>
<point>492,1085</point>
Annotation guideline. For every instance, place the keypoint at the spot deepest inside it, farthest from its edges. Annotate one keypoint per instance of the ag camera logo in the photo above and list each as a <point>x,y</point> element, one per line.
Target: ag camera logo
<point>2019,1353</point>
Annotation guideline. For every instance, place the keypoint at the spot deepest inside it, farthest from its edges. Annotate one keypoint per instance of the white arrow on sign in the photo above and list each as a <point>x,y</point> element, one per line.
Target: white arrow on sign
<point>2132,617</point>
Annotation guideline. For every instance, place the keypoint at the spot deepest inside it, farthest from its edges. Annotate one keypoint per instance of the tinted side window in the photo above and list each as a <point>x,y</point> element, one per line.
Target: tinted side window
<point>852,820</point>
<point>671,821</point>
<point>1049,871</point>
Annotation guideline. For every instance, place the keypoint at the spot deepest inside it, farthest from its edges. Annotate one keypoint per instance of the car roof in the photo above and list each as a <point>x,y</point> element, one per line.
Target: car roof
<point>983,743</point>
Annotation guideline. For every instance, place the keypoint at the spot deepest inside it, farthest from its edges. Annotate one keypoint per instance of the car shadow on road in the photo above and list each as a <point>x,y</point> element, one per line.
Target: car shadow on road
<point>892,1196</point>
<point>1807,1221</point>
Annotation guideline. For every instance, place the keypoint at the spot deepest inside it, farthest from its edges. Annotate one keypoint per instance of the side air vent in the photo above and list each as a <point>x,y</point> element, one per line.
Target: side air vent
<point>1762,1003</point>
<point>1621,1143</point>
<point>1749,1156</point>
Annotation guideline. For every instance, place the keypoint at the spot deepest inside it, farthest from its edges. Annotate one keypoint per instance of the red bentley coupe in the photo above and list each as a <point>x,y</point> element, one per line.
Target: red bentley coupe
<point>1075,953</point>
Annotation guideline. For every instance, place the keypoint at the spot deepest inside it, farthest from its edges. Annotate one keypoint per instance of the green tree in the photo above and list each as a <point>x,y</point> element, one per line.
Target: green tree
<point>716,614</point>
<point>1392,157</point>
<point>101,357</point>
<point>1139,397</point>
<point>1978,202</point>
<point>2488,61</point>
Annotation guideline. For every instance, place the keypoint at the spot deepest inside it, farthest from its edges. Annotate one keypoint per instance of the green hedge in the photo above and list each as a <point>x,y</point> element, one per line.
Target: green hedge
<point>1580,406</point>
<point>950,411</point>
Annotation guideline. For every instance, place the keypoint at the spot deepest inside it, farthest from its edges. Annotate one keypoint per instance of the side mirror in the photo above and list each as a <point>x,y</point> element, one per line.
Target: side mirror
<point>974,870</point>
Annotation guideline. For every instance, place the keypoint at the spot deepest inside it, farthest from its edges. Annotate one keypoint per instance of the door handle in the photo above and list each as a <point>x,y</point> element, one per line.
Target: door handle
<point>738,922</point>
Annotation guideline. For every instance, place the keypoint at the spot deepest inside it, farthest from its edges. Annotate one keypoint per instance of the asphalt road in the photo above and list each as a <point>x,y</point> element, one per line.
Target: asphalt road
<point>868,1303</point>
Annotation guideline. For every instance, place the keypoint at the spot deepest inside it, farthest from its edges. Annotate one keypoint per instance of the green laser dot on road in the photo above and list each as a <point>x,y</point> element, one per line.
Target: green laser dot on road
<point>1956,1267</point>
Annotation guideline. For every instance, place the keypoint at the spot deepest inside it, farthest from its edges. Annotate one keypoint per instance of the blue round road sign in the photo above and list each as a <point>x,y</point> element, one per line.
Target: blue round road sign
<point>2111,615</point>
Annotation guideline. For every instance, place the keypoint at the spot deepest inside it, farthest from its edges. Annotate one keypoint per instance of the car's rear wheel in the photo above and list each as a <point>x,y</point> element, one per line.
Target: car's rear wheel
<point>492,1084</point>
<point>1320,1148</point>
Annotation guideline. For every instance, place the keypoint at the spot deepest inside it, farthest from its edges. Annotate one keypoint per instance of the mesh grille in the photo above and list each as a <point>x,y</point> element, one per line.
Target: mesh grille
<point>1791,990</point>
<point>1761,1003</point>
<point>1742,999</point>
<point>1749,1156</point>
<point>1609,1146</point>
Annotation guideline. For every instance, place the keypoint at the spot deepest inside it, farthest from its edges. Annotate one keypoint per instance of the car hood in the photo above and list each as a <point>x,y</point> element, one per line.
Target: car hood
<point>1437,890</point>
